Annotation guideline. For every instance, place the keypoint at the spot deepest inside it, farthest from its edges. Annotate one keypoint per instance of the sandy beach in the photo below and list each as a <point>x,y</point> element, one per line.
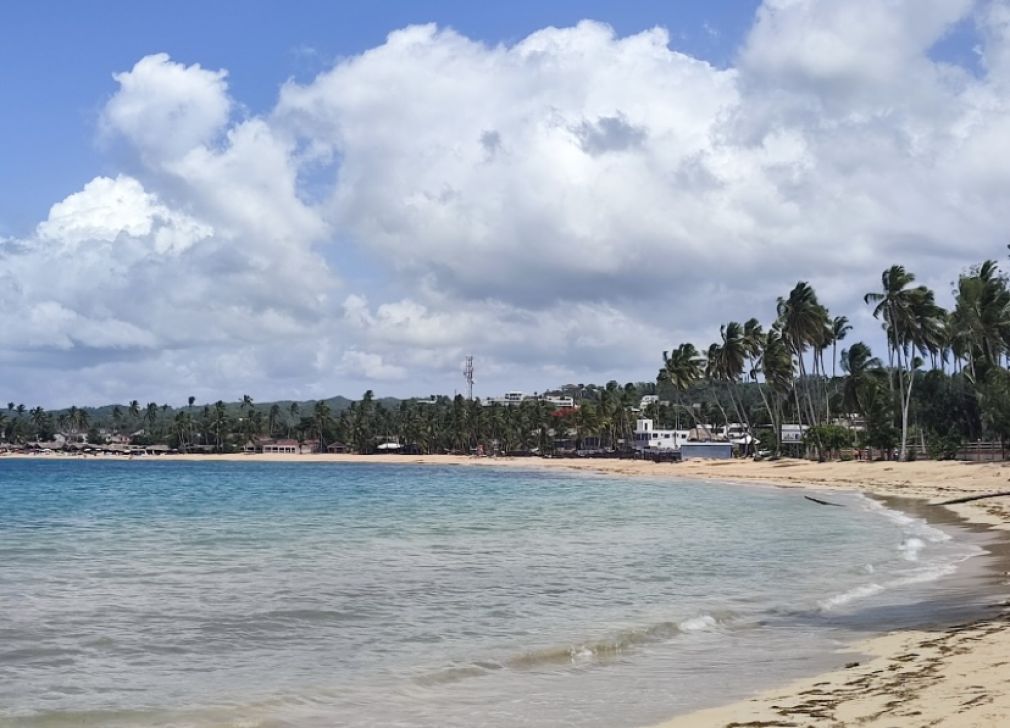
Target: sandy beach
<point>957,676</point>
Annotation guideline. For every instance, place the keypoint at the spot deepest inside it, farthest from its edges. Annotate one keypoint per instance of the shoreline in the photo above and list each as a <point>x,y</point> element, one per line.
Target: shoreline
<point>928,480</point>
<point>953,675</point>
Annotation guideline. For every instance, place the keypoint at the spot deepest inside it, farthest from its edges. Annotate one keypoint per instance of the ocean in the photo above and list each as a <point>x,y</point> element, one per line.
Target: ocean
<point>262,595</point>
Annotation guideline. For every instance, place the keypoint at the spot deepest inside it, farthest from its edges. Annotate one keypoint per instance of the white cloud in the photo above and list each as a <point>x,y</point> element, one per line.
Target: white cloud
<point>107,208</point>
<point>165,108</point>
<point>565,207</point>
<point>369,367</point>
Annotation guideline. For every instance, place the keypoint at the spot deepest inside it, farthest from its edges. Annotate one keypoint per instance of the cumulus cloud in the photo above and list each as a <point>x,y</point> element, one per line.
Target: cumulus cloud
<point>564,207</point>
<point>166,108</point>
<point>108,208</point>
<point>366,366</point>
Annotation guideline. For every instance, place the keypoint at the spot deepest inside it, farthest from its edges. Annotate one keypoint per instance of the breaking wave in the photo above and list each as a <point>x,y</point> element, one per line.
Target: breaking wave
<point>586,653</point>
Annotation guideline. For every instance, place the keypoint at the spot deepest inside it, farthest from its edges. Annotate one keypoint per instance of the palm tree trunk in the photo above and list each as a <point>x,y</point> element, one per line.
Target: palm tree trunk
<point>776,428</point>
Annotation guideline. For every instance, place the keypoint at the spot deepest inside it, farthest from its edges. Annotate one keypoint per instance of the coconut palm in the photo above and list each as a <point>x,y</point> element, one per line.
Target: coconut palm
<point>858,363</point>
<point>803,321</point>
<point>39,419</point>
<point>913,324</point>
<point>682,368</point>
<point>980,321</point>
<point>774,362</point>
<point>273,418</point>
<point>840,327</point>
<point>219,422</point>
<point>322,417</point>
<point>151,416</point>
<point>731,357</point>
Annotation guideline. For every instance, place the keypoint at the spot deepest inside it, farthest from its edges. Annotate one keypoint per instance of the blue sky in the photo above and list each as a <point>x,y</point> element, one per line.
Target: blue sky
<point>57,60</point>
<point>300,200</point>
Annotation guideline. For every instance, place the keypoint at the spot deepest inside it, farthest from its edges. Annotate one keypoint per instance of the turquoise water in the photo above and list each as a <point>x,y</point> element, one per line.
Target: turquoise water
<point>269,594</point>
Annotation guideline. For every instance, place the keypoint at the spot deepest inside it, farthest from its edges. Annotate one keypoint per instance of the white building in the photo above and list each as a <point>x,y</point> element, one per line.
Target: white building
<point>516,397</point>
<point>647,437</point>
<point>793,434</point>
<point>510,398</point>
<point>647,400</point>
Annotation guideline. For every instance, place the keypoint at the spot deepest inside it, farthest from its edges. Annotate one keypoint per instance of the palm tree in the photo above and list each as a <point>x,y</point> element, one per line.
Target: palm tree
<point>774,361</point>
<point>219,422</point>
<point>913,323</point>
<point>83,421</point>
<point>322,416</point>
<point>980,322</point>
<point>273,418</point>
<point>73,420</point>
<point>39,418</point>
<point>753,336</point>
<point>858,363</point>
<point>150,415</point>
<point>181,428</point>
<point>733,353</point>
<point>840,327</point>
<point>802,320</point>
<point>682,369</point>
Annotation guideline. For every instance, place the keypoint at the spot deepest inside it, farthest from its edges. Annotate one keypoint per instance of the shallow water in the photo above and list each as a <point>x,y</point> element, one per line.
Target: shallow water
<point>270,594</point>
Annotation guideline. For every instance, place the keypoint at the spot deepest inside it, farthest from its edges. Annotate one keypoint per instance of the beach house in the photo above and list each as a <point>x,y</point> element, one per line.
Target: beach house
<point>649,437</point>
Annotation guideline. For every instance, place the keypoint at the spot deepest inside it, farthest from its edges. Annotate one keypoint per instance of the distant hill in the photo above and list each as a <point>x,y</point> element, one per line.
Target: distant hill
<point>337,405</point>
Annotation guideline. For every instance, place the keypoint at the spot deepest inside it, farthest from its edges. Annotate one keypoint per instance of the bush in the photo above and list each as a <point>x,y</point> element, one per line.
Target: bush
<point>943,447</point>
<point>831,438</point>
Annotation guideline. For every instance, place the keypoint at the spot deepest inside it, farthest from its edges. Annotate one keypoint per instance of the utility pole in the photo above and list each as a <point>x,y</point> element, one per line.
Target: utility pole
<point>468,376</point>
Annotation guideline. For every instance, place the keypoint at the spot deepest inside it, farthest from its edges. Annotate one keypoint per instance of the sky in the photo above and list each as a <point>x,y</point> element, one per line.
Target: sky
<point>298,201</point>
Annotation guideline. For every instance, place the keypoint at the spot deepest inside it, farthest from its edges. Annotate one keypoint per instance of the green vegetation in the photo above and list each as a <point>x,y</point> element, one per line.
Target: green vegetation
<point>432,425</point>
<point>945,381</point>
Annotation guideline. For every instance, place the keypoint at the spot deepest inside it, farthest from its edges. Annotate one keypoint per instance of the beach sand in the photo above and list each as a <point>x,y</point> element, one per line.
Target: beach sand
<point>956,676</point>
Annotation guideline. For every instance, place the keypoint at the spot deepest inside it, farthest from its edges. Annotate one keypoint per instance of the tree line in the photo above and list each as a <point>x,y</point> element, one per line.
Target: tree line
<point>438,424</point>
<point>942,381</point>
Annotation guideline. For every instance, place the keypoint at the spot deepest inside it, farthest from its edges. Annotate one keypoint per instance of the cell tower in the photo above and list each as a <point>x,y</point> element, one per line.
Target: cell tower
<point>468,376</point>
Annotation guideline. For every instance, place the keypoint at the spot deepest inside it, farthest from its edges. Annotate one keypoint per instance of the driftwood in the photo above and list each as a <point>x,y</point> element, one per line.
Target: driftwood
<point>820,502</point>
<point>969,498</point>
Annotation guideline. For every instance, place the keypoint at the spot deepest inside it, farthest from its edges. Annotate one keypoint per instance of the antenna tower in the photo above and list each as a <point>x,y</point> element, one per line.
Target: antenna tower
<point>468,376</point>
